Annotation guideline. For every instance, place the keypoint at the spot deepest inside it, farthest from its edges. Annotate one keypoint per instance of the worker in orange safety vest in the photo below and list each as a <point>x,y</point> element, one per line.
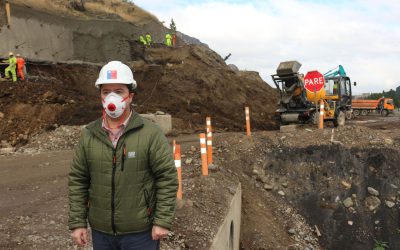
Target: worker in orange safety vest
<point>174,40</point>
<point>20,67</point>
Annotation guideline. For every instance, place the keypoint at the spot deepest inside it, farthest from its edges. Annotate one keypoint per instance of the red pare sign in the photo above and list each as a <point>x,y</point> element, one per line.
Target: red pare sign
<point>314,81</point>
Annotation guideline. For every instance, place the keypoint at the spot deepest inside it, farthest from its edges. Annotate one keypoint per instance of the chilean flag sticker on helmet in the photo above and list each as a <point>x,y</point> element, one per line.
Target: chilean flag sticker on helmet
<point>111,74</point>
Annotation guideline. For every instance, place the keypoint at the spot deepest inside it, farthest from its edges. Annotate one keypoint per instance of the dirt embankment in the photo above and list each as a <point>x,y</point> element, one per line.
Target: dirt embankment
<point>189,83</point>
<point>54,95</point>
<point>346,186</point>
<point>192,82</point>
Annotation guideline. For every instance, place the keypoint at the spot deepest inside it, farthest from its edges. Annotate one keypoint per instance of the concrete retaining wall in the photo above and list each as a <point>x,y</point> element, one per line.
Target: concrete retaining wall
<point>228,236</point>
<point>43,36</point>
<point>34,39</point>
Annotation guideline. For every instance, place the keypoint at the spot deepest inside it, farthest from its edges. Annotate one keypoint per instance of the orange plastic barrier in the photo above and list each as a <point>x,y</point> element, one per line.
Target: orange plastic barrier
<point>209,141</point>
<point>178,165</point>
<point>203,151</point>
<point>247,111</point>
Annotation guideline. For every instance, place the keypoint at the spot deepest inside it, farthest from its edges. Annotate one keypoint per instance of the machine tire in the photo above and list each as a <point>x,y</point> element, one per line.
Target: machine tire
<point>315,118</point>
<point>385,112</point>
<point>356,112</point>
<point>349,115</point>
<point>340,120</point>
<point>364,112</point>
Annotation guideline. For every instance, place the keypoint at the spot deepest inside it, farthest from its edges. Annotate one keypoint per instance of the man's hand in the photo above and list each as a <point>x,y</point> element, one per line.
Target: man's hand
<point>80,236</point>
<point>159,232</point>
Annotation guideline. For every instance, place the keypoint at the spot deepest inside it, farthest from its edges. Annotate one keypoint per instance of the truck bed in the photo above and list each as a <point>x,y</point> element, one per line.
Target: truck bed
<point>364,104</point>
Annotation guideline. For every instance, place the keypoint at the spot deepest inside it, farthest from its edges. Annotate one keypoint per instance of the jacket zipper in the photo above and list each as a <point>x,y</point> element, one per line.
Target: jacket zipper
<point>123,157</point>
<point>113,191</point>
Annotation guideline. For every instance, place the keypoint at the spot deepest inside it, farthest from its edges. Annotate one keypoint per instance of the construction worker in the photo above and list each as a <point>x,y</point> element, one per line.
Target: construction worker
<point>148,39</point>
<point>335,88</point>
<point>174,40</point>
<point>143,40</point>
<point>168,40</point>
<point>12,64</point>
<point>20,67</point>
<point>123,179</point>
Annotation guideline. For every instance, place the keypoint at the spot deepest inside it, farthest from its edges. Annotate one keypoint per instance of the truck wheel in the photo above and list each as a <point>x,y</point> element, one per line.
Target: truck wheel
<point>356,112</point>
<point>364,112</point>
<point>384,112</point>
<point>349,115</point>
<point>340,120</point>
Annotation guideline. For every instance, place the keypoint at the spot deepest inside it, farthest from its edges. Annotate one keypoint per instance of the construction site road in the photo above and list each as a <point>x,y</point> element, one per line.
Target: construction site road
<point>291,182</point>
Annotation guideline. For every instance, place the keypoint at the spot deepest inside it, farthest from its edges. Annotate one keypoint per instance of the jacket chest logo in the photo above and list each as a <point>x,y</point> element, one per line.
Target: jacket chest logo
<point>132,154</point>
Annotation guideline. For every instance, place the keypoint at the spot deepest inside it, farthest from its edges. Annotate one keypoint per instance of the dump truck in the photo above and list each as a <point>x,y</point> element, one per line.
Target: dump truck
<point>383,106</point>
<point>301,96</point>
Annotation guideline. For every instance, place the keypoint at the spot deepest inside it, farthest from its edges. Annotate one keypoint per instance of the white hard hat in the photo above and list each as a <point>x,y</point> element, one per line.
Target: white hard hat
<point>10,53</point>
<point>116,72</point>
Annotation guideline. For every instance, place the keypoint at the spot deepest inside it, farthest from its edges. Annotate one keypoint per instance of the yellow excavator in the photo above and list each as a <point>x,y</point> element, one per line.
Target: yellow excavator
<point>301,96</point>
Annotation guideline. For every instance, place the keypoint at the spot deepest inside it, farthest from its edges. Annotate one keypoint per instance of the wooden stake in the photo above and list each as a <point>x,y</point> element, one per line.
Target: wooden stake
<point>8,13</point>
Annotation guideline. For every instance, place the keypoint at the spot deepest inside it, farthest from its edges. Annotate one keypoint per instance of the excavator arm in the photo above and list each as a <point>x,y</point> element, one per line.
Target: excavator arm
<point>338,71</point>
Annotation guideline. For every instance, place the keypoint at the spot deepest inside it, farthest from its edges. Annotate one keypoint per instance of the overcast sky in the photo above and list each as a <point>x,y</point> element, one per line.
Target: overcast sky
<point>361,35</point>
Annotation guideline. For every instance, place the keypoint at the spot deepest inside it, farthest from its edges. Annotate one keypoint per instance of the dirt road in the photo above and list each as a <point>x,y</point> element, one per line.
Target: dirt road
<point>34,204</point>
<point>33,201</point>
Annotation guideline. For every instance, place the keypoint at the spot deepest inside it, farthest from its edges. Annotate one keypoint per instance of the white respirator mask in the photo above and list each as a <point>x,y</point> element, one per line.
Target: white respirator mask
<point>114,105</point>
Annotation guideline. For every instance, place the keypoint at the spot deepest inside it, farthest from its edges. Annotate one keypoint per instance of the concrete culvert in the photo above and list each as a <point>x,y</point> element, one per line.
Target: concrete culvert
<point>231,236</point>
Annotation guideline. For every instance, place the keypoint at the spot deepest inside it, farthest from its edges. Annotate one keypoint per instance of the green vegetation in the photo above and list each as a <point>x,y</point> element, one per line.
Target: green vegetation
<point>172,26</point>
<point>380,245</point>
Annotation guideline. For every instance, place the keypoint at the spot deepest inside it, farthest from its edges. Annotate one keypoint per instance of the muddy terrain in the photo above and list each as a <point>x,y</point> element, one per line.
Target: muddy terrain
<point>312,190</point>
<point>305,189</point>
<point>187,82</point>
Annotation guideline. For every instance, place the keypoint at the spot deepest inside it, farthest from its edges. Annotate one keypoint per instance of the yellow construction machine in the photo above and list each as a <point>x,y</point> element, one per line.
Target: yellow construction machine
<point>301,96</point>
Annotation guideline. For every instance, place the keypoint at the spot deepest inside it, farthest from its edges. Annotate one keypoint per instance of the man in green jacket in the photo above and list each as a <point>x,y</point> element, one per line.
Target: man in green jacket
<point>123,180</point>
<point>12,65</point>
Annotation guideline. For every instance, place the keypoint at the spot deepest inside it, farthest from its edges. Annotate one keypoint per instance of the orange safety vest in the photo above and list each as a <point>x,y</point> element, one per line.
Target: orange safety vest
<point>20,62</point>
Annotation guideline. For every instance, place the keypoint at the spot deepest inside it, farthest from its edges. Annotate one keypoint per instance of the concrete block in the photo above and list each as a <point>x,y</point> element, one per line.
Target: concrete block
<point>6,151</point>
<point>288,128</point>
<point>163,121</point>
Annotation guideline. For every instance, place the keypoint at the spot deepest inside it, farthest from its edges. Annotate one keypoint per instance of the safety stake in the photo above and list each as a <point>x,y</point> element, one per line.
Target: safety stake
<point>321,115</point>
<point>247,111</point>
<point>173,146</point>
<point>178,165</point>
<point>209,141</point>
<point>8,14</point>
<point>203,151</point>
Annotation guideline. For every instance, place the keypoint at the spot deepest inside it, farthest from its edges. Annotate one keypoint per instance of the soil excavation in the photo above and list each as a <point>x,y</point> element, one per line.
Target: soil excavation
<point>302,188</point>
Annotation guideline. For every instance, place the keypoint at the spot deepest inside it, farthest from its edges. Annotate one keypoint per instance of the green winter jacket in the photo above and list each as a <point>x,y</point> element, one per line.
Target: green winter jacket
<point>126,189</point>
